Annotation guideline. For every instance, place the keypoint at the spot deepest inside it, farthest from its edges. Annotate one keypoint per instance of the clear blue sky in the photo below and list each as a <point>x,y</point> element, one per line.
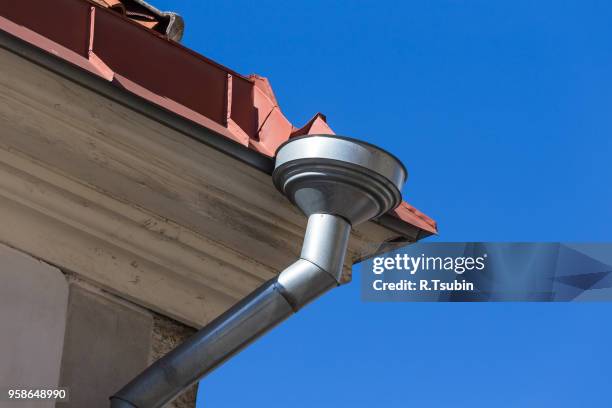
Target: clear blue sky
<point>502,112</point>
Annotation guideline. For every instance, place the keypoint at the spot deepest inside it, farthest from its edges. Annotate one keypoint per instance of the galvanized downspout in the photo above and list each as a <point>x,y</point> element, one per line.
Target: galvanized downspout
<point>336,182</point>
<point>260,311</point>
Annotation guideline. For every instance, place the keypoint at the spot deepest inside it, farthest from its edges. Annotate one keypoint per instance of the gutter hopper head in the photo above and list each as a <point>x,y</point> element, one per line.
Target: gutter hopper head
<point>328,174</point>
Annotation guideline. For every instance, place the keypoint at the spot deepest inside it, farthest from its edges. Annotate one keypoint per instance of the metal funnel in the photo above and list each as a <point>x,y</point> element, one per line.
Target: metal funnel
<point>327,174</point>
<point>337,182</point>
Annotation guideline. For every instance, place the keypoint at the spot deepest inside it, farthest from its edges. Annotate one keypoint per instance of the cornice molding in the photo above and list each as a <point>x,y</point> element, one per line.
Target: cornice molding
<point>135,206</point>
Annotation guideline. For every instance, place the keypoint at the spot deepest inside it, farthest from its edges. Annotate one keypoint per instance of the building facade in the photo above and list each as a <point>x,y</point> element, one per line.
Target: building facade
<point>134,209</point>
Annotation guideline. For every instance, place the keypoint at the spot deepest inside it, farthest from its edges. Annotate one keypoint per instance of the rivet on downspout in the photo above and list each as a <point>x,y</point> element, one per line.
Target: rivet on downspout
<point>337,182</point>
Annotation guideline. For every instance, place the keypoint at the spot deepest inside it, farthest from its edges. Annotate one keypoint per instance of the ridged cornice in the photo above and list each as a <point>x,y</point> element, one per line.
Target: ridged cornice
<point>138,207</point>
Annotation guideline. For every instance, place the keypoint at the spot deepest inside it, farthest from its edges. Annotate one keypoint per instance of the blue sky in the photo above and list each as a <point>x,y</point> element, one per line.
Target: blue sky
<point>502,113</point>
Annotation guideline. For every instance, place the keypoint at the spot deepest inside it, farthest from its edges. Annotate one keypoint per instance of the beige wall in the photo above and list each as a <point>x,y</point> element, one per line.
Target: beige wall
<point>56,330</point>
<point>33,301</point>
<point>168,334</point>
<point>107,343</point>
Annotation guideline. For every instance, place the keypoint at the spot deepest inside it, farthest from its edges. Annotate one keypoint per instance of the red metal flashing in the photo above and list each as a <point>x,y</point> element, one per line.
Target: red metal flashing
<point>65,22</point>
<point>130,55</point>
<point>411,215</point>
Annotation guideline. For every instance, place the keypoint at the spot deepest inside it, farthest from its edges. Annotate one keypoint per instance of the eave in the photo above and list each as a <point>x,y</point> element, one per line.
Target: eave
<point>138,60</point>
<point>160,207</point>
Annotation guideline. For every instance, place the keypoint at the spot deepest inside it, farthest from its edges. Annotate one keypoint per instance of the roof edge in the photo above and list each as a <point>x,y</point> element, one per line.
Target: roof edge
<point>87,72</point>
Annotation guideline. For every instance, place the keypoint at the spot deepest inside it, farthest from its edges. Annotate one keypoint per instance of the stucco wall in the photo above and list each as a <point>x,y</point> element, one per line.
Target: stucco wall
<point>33,300</point>
<point>167,334</point>
<point>56,330</point>
<point>107,343</point>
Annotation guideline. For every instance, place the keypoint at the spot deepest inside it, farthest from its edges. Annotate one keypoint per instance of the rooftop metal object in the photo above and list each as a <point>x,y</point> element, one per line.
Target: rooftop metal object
<point>322,173</point>
<point>338,183</point>
<point>167,23</point>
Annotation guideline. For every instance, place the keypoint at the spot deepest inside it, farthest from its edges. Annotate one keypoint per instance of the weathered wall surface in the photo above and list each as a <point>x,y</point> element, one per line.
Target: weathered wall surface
<point>135,206</point>
<point>107,344</point>
<point>167,334</point>
<point>33,299</point>
<point>59,331</point>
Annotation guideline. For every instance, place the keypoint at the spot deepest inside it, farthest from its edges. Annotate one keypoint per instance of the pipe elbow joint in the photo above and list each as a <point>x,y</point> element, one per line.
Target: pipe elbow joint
<point>321,261</point>
<point>302,282</point>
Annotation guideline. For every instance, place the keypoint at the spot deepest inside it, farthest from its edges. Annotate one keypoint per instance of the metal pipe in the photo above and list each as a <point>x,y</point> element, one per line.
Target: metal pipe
<point>337,182</point>
<point>318,270</point>
<point>325,242</point>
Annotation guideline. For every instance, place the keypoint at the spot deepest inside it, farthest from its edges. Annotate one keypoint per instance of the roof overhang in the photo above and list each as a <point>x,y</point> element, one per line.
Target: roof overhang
<point>141,61</point>
<point>141,194</point>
